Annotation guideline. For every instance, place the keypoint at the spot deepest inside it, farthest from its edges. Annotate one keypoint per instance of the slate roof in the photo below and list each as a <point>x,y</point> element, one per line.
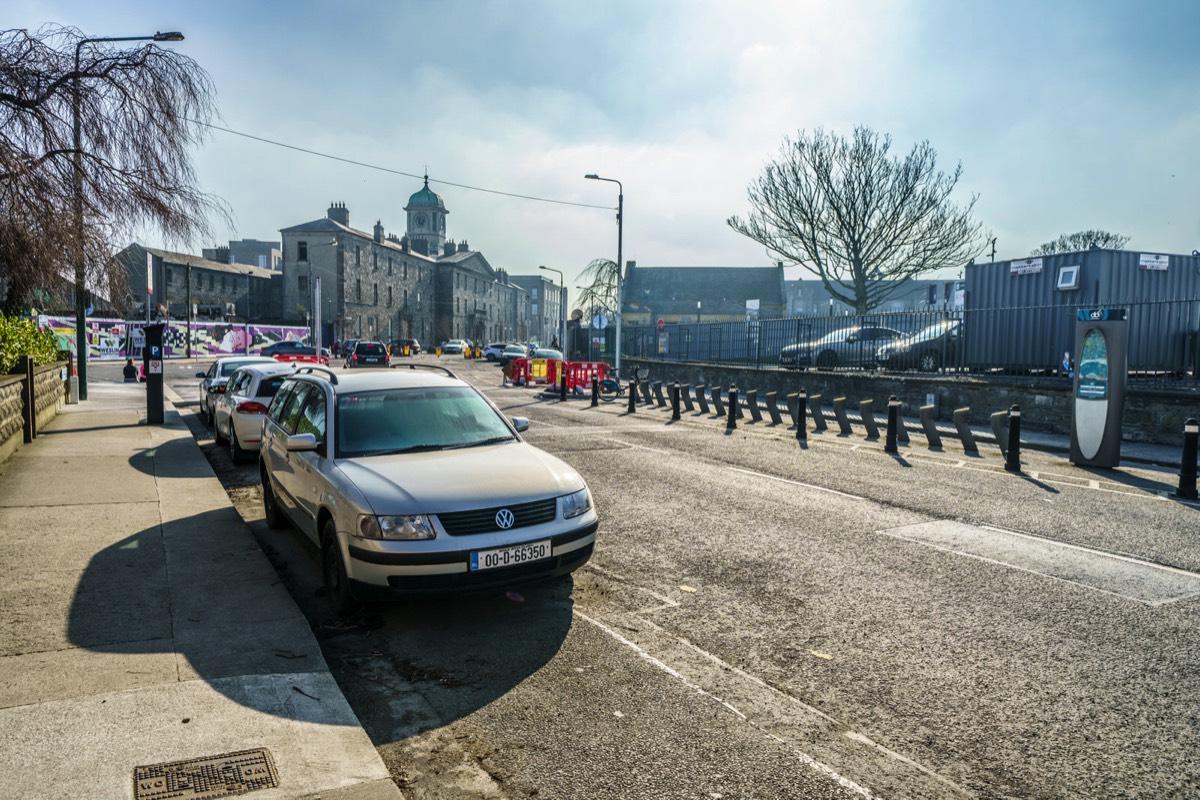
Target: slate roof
<point>199,262</point>
<point>720,290</point>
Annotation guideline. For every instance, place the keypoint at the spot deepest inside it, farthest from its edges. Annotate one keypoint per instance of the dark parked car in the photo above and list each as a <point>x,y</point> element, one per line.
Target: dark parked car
<point>927,350</point>
<point>396,348</point>
<point>285,347</point>
<point>368,354</point>
<point>855,346</point>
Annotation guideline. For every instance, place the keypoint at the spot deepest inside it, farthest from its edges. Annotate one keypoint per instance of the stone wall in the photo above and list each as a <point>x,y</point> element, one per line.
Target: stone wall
<point>49,394</point>
<point>1150,416</point>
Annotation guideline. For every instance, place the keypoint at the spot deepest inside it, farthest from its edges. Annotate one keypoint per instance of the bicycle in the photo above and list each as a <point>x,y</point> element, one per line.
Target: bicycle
<point>611,388</point>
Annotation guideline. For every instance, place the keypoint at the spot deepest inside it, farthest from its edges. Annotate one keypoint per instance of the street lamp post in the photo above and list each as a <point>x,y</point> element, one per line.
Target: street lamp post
<point>81,348</point>
<point>562,307</point>
<point>620,229</point>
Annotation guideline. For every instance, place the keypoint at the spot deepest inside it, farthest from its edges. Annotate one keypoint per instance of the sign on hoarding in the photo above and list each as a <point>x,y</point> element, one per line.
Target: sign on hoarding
<point>1027,266</point>
<point>1153,262</point>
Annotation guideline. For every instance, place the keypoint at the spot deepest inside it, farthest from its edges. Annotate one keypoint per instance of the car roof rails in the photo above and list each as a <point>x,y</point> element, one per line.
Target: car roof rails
<point>314,369</point>
<point>437,367</point>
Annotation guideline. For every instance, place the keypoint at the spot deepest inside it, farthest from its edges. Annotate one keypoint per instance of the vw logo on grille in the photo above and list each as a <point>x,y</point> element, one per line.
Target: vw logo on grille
<point>505,518</point>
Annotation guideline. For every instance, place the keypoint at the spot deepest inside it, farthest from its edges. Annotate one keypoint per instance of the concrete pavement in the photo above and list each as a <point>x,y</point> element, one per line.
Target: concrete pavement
<point>141,625</point>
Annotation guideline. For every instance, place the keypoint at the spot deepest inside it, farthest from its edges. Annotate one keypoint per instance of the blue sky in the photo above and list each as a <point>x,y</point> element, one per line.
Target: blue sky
<point>1065,115</point>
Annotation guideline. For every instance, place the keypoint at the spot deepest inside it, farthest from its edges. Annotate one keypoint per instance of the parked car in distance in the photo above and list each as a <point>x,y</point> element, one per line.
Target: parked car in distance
<point>454,346</point>
<point>492,351</point>
<point>928,350</point>
<point>239,411</point>
<point>855,346</point>
<point>396,348</point>
<point>412,482</point>
<point>213,380</point>
<point>511,352</point>
<point>547,352</point>
<point>303,353</point>
<point>368,354</point>
<point>283,346</point>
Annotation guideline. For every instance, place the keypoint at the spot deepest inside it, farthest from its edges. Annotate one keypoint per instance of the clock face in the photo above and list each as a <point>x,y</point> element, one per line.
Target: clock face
<point>421,219</point>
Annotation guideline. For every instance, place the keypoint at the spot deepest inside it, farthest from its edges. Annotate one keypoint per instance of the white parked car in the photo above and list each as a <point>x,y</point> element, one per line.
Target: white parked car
<point>411,481</point>
<point>238,413</point>
<point>213,381</point>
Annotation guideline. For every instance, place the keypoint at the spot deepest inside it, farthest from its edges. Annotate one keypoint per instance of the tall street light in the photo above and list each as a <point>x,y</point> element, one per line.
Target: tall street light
<point>81,347</point>
<point>562,307</point>
<point>620,224</point>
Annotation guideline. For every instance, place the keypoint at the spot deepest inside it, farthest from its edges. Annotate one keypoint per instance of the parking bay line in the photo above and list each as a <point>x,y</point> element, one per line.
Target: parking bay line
<point>797,483</point>
<point>1118,575</point>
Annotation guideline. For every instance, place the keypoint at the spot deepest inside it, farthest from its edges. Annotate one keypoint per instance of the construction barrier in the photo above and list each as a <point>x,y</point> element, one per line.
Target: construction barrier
<point>579,374</point>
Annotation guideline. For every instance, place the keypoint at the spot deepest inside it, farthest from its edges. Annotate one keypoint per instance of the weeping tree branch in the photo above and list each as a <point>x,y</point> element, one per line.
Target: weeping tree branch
<point>143,110</point>
<point>861,221</point>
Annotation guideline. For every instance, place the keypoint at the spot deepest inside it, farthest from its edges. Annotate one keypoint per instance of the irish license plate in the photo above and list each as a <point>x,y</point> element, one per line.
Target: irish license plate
<point>510,556</point>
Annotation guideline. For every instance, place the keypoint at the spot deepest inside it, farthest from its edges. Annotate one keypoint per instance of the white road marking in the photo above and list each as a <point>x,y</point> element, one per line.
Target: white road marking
<point>1114,574</point>
<point>806,759</point>
<point>795,483</point>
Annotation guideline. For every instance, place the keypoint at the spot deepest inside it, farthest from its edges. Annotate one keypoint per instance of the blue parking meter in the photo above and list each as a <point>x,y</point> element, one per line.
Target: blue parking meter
<point>152,361</point>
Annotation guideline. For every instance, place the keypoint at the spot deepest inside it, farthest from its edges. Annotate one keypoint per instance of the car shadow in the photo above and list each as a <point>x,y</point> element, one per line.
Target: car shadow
<point>202,589</point>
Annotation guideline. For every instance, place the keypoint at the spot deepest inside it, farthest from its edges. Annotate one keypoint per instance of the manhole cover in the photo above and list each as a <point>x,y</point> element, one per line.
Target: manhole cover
<point>206,778</point>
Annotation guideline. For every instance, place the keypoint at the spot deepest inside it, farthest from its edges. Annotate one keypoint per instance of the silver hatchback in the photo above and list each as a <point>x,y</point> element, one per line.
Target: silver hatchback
<point>411,481</point>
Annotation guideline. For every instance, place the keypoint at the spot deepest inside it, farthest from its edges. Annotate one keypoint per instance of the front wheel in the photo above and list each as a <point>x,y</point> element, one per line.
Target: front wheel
<point>337,586</point>
<point>609,390</point>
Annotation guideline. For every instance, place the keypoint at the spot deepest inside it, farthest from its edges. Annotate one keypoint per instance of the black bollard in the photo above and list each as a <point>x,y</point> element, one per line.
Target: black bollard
<point>1012,461</point>
<point>562,385</point>
<point>632,396</point>
<point>731,420</point>
<point>675,401</point>
<point>802,416</point>
<point>1187,467</point>
<point>893,420</point>
<point>595,392</point>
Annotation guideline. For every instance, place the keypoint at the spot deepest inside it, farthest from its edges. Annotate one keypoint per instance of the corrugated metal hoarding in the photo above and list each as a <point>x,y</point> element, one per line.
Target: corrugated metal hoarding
<point>1020,314</point>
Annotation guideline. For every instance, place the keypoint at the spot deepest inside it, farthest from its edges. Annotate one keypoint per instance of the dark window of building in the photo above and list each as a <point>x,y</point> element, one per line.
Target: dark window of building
<point>302,251</point>
<point>302,283</point>
<point>374,261</point>
<point>405,270</point>
<point>357,255</point>
<point>358,289</point>
<point>375,293</point>
<point>389,297</point>
<point>169,273</point>
<point>389,266</point>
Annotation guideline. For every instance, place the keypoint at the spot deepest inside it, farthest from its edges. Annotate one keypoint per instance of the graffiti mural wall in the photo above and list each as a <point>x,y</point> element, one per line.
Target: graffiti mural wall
<point>117,339</point>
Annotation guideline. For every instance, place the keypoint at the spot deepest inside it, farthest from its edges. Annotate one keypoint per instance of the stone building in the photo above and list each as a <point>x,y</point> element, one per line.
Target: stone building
<point>545,304</point>
<point>382,286</point>
<point>218,291</point>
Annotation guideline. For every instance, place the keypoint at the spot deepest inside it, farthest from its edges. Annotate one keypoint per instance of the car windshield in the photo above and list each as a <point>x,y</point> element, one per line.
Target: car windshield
<point>415,420</point>
<point>934,330</point>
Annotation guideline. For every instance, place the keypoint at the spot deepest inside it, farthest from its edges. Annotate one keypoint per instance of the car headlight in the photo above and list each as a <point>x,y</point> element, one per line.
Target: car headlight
<point>575,504</point>
<point>399,526</point>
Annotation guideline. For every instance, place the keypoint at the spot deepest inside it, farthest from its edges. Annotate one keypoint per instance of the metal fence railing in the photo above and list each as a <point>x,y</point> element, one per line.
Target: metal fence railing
<point>1164,341</point>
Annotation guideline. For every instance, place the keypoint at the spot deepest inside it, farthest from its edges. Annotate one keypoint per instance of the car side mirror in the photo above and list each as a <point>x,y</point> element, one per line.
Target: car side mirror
<point>301,442</point>
<point>521,424</point>
<point>201,375</point>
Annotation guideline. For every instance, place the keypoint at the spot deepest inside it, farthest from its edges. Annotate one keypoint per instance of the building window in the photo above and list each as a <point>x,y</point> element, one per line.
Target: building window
<point>375,294</point>
<point>169,273</point>
<point>405,270</point>
<point>302,251</point>
<point>374,261</point>
<point>357,255</point>
<point>406,298</point>
<point>358,290</point>
<point>302,283</point>
<point>389,266</point>
<point>533,292</point>
<point>389,297</point>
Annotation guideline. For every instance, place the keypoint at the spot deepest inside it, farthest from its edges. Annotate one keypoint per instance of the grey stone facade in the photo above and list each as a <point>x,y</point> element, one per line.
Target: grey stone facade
<point>219,291</point>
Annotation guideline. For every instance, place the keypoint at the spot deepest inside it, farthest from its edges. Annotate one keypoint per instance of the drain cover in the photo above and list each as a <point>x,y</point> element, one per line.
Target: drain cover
<point>206,778</point>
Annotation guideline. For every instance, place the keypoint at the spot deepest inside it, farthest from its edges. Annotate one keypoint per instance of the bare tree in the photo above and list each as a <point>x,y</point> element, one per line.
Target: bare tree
<point>599,296</point>
<point>141,110</point>
<point>859,220</point>
<point>1082,240</point>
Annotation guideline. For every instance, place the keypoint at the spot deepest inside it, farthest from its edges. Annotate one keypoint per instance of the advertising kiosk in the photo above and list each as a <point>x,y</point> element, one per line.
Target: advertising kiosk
<point>1098,399</point>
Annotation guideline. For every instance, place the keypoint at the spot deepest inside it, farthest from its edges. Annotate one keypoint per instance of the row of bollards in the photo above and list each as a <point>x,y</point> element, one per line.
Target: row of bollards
<point>1008,436</point>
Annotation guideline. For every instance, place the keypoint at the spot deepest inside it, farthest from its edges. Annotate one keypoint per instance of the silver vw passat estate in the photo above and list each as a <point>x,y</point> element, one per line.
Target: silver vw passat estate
<point>411,481</point>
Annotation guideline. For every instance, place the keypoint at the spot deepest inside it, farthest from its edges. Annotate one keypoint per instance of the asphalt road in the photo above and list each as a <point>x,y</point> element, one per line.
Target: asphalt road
<point>770,621</point>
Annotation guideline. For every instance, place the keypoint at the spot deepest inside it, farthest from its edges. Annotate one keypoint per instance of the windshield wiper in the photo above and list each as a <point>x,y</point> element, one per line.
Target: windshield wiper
<point>481,442</point>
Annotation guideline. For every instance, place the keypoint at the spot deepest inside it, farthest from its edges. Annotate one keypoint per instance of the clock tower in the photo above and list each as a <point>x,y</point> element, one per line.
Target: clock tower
<point>426,221</point>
